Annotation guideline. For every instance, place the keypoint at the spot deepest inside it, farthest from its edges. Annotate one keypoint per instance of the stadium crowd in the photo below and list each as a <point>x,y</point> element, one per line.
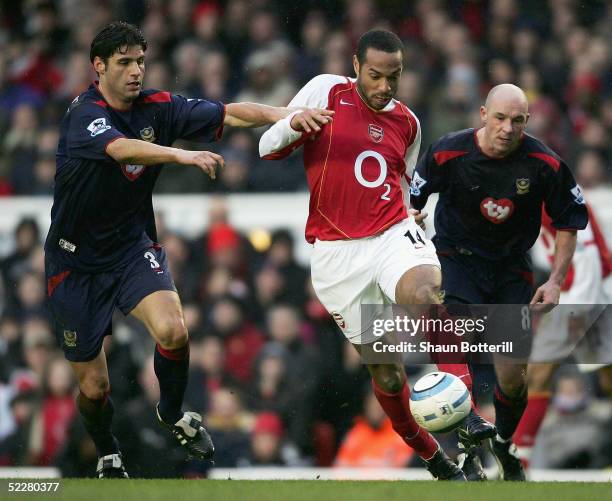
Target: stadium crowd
<point>274,379</point>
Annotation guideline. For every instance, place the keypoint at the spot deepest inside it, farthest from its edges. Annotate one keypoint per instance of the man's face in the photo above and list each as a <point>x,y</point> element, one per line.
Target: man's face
<point>378,76</point>
<point>124,72</point>
<point>505,120</point>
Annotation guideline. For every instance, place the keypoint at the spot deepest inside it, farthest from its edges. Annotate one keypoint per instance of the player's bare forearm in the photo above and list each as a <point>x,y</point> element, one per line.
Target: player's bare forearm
<point>253,114</point>
<point>565,245</point>
<point>548,294</point>
<point>135,151</point>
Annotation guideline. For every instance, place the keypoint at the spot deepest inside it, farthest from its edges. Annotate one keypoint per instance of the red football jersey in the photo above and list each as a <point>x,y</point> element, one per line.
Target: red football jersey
<point>358,166</point>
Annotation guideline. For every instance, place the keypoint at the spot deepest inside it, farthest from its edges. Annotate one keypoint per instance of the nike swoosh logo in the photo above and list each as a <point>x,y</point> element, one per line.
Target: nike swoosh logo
<point>342,101</point>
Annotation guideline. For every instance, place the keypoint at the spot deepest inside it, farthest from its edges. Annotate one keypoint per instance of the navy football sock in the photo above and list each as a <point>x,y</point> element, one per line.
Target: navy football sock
<point>171,367</point>
<point>98,416</point>
<point>508,412</point>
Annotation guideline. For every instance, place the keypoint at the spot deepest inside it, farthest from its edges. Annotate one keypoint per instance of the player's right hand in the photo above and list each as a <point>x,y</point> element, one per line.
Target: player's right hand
<point>311,119</point>
<point>419,217</point>
<point>205,160</point>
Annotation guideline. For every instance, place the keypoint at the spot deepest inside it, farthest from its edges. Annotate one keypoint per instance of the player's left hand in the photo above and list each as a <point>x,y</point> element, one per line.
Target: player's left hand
<point>546,297</point>
<point>419,217</point>
<point>311,119</point>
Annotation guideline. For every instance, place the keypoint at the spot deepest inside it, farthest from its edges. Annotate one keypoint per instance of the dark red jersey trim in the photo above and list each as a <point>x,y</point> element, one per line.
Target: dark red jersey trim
<point>102,103</point>
<point>55,280</point>
<point>549,159</point>
<point>219,132</point>
<point>112,141</point>
<point>441,157</point>
<point>176,355</point>
<point>158,97</point>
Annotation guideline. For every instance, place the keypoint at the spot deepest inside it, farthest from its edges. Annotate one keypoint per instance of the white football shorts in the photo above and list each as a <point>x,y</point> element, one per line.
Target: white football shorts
<point>349,273</point>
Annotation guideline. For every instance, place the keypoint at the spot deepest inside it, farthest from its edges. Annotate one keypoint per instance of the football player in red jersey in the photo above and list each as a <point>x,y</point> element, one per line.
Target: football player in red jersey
<point>367,248</point>
<point>581,330</point>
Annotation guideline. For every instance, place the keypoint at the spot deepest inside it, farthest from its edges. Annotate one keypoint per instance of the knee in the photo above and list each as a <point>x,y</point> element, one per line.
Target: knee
<point>421,285</point>
<point>171,333</point>
<point>514,387</point>
<point>389,378</point>
<point>94,386</point>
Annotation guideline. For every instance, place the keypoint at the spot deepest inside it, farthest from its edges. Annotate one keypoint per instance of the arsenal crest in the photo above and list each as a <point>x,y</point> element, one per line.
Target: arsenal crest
<point>148,134</point>
<point>376,133</point>
<point>522,186</point>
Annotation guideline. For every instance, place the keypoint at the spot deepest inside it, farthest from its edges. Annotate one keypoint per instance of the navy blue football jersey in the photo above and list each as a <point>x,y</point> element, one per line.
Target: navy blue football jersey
<point>492,207</point>
<point>102,211</point>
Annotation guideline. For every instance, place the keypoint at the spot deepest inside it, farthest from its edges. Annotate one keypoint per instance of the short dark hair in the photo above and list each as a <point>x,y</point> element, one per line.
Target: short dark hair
<point>113,37</point>
<point>384,40</point>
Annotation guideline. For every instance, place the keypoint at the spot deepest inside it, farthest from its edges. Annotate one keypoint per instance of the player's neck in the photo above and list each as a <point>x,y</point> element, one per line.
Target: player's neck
<point>485,147</point>
<point>112,100</point>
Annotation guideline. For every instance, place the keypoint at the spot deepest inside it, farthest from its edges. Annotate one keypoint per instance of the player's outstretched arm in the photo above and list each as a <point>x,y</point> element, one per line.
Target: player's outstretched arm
<point>135,151</point>
<point>548,294</point>
<point>256,115</point>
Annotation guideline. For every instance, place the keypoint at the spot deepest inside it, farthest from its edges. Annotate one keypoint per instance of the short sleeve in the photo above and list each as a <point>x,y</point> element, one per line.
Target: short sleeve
<point>427,178</point>
<point>196,119</point>
<point>90,130</point>
<point>564,201</point>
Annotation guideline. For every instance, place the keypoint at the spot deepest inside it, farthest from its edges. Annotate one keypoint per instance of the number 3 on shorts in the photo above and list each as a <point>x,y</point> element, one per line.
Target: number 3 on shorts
<point>151,257</point>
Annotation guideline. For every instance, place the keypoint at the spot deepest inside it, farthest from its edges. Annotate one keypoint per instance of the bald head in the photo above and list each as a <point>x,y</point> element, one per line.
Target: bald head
<point>506,93</point>
<point>504,115</point>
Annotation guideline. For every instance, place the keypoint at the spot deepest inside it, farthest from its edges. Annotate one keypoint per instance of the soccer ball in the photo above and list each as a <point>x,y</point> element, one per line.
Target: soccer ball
<point>440,402</point>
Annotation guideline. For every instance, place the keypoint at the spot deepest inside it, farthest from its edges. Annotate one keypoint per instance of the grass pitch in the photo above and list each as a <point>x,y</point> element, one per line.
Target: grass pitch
<point>316,490</point>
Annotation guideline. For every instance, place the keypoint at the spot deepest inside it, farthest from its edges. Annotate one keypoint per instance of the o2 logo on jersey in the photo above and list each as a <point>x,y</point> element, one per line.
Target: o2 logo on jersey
<point>496,211</point>
<point>131,171</point>
<point>98,126</point>
<point>376,133</point>
<point>381,177</point>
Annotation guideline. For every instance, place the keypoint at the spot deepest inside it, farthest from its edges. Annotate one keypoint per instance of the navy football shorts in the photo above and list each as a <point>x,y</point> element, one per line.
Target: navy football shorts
<point>82,304</point>
<point>506,285</point>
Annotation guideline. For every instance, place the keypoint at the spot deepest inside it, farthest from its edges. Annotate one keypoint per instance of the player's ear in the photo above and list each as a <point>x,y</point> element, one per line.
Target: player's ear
<point>527,118</point>
<point>99,65</point>
<point>356,64</point>
<point>483,114</point>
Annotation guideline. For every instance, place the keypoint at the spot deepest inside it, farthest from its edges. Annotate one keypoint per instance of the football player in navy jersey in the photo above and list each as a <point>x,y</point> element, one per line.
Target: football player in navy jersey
<point>492,183</point>
<point>102,250</point>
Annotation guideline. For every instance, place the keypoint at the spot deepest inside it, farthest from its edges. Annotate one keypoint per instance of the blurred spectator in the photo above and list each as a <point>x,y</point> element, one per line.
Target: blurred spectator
<point>302,374</point>
<point>372,442</point>
<point>242,341</point>
<point>206,372</point>
<point>571,434</point>
<point>281,256</point>
<point>591,170</point>
<point>265,84</point>
<point>58,408</point>
<point>38,345</point>
<point>268,446</point>
<point>228,424</point>
<point>27,239</point>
